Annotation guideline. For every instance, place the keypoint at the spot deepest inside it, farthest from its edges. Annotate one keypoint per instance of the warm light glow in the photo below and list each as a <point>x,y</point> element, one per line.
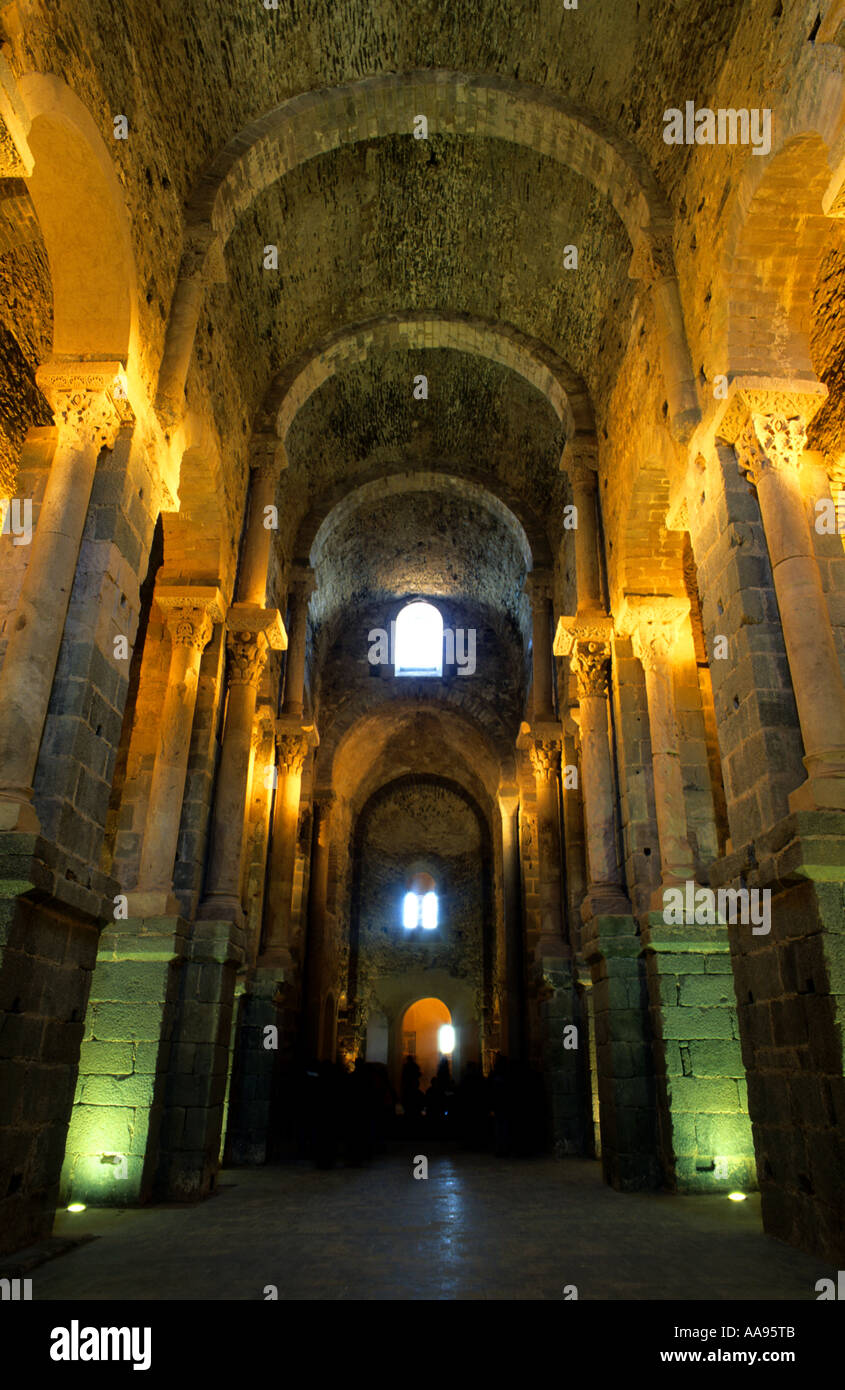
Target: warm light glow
<point>77,1206</point>
<point>736,1196</point>
<point>424,1020</point>
<point>446,1039</point>
<point>429,911</point>
<point>418,645</point>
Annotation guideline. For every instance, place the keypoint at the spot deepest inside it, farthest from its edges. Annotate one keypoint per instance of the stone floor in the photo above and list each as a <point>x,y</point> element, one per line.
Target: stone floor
<point>477,1228</point>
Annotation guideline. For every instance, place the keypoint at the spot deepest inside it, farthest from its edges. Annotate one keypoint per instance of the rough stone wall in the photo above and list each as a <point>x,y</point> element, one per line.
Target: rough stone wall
<point>420,827</point>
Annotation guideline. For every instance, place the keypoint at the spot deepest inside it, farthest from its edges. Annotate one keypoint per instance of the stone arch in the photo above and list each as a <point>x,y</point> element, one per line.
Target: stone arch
<point>501,343</point>
<point>73,185</point>
<point>482,105</point>
<point>356,493</point>
<point>375,107</point>
<point>351,750</point>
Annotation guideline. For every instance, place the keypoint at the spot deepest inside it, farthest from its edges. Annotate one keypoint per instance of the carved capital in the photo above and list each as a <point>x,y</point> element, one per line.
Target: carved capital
<point>267,457</point>
<point>202,257</point>
<point>190,614</point>
<point>545,758</point>
<point>88,399</point>
<point>654,623</point>
<point>590,664</point>
<point>764,396</point>
<point>770,443</point>
<point>293,750</point>
<point>247,657</point>
<point>263,729</point>
<point>580,458</point>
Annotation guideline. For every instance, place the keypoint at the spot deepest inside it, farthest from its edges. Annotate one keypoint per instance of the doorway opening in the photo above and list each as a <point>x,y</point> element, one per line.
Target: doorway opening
<point>428,1035</point>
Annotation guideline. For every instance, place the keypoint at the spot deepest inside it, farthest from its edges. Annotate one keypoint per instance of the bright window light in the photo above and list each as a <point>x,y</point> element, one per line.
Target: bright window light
<point>446,1039</point>
<point>429,911</point>
<point>410,910</point>
<point>418,642</point>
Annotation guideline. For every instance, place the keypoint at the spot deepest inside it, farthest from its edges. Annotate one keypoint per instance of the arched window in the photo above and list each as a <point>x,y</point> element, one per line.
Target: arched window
<point>418,641</point>
<point>420,906</point>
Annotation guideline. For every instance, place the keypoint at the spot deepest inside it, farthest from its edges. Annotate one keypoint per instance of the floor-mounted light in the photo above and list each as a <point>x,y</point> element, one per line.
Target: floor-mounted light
<point>446,1039</point>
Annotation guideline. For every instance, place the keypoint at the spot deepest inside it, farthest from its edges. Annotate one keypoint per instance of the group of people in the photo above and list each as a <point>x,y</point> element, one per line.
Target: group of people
<point>352,1114</point>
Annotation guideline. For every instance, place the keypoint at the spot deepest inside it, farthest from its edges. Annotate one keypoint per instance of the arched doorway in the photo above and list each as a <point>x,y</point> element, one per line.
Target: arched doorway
<point>422,1036</point>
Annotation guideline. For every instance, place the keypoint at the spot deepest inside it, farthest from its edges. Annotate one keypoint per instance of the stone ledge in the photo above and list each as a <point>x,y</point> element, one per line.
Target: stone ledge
<point>804,845</point>
<point>34,867</point>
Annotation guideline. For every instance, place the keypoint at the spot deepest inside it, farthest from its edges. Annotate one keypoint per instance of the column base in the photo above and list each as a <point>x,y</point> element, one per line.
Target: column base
<point>819,794</point>
<point>605,900</point>
<point>17,812</point>
<point>221,907</point>
<point>153,902</point>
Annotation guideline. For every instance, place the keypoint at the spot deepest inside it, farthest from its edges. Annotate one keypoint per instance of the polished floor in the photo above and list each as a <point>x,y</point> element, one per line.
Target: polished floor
<point>477,1228</point>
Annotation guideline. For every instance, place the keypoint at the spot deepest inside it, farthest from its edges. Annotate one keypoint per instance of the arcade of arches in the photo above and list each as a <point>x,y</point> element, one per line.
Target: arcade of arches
<point>276,358</point>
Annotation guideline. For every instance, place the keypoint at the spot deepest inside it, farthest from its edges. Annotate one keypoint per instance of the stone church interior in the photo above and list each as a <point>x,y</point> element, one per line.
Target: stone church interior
<point>422,636</point>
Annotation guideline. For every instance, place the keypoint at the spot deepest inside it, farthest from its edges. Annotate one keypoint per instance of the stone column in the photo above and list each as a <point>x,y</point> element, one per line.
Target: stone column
<point>539,589</point>
<point>545,761</point>
<point>769,445</point>
<point>317,917</point>
<point>292,752</point>
<point>514,1043</point>
<point>588,648</point>
<point>268,459</point>
<point>190,615</point>
<point>202,265</point>
<point>90,406</point>
<point>654,623</point>
<point>252,631</point>
<point>301,586</point>
<point>653,264</point>
<point>587,571</point>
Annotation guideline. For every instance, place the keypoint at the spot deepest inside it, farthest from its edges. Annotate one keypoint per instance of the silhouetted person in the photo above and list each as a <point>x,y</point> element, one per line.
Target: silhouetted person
<point>412,1098</point>
<point>327,1113</point>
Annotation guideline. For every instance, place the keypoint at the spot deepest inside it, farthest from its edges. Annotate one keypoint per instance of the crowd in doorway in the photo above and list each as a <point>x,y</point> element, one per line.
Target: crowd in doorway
<point>350,1116</point>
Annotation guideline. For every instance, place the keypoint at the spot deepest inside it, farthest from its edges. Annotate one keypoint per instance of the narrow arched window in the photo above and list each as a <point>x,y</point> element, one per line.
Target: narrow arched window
<point>418,641</point>
<point>420,906</point>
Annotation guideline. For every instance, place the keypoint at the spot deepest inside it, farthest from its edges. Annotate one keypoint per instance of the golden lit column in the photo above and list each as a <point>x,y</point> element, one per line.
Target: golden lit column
<point>318,914</point>
<point>587,572</point>
<point>769,447</point>
<point>652,263</point>
<point>252,631</point>
<point>513,943</point>
<point>190,615</point>
<point>292,752</point>
<point>545,761</point>
<point>654,624</point>
<point>89,407</point>
<point>588,649</point>
<point>268,459</point>
<point>257,833</point>
<point>202,265</point>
